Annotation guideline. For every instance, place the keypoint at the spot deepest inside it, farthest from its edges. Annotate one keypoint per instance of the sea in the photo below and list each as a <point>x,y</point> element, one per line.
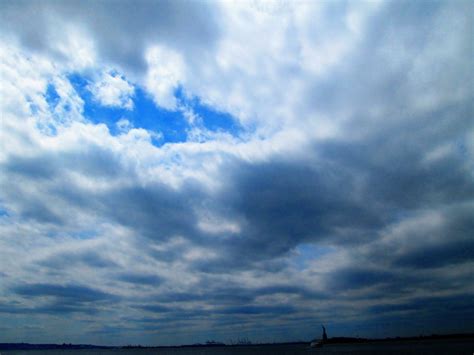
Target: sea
<point>428,347</point>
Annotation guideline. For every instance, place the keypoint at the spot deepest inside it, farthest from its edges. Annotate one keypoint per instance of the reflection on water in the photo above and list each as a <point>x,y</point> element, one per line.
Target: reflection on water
<point>447,347</point>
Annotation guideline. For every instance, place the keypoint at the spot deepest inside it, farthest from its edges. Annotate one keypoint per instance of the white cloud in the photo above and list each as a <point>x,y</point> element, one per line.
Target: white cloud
<point>73,45</point>
<point>111,89</point>
<point>124,125</point>
<point>165,72</point>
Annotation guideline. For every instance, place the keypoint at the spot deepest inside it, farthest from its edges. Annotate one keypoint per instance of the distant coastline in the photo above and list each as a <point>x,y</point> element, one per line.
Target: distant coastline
<point>334,340</point>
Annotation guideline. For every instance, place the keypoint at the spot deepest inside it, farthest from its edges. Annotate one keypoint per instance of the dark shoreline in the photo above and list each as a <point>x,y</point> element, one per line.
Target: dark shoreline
<point>334,340</point>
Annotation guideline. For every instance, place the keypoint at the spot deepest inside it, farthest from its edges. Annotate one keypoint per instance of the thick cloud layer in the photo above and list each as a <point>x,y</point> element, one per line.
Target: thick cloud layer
<point>119,30</point>
<point>344,197</point>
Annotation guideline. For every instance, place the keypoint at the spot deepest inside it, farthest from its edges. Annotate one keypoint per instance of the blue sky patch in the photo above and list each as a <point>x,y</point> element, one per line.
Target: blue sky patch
<point>52,97</point>
<point>3,212</point>
<point>172,125</point>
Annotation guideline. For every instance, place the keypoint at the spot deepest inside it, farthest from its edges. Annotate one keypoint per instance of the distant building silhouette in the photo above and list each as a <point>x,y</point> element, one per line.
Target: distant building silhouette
<point>325,336</point>
<point>319,343</point>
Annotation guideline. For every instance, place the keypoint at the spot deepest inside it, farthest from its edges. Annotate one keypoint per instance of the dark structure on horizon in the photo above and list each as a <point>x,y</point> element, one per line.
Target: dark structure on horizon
<point>319,343</point>
<point>325,336</point>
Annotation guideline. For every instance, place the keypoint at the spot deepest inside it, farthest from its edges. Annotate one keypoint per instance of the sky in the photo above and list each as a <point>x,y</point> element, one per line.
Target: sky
<point>173,172</point>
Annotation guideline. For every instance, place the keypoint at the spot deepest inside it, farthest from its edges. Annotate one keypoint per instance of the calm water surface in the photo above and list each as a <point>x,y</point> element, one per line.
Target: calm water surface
<point>448,347</point>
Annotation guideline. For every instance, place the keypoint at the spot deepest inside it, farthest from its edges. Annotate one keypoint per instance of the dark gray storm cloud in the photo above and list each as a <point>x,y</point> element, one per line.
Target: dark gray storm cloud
<point>351,194</point>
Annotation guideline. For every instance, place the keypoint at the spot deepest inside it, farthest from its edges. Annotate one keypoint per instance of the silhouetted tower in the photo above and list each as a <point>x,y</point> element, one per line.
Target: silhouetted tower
<point>325,336</point>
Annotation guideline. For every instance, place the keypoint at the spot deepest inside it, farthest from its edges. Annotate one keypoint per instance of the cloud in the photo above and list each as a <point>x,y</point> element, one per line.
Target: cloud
<point>74,293</point>
<point>90,258</point>
<point>165,73</point>
<point>113,90</point>
<point>119,38</point>
<point>61,299</point>
<point>140,278</point>
<point>344,197</point>
<point>446,238</point>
